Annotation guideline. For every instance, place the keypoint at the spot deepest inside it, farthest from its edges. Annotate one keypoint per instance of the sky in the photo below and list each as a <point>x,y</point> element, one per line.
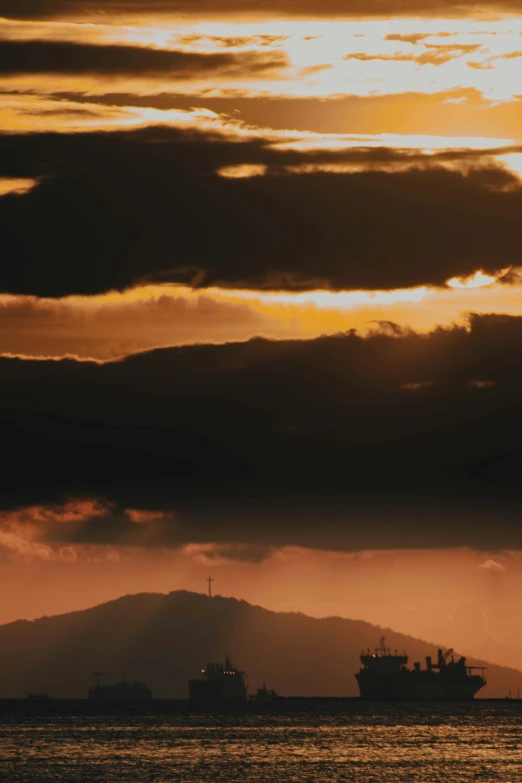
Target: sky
<point>261,308</point>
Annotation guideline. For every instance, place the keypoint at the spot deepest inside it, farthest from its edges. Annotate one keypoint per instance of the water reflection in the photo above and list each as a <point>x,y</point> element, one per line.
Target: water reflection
<point>368,745</point>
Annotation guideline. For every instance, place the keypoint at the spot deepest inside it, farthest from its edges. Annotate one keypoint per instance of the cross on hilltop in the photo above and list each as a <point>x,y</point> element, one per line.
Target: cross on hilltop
<point>210,580</point>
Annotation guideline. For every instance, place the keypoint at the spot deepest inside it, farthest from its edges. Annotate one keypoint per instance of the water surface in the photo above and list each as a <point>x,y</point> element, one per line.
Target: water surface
<point>392,743</point>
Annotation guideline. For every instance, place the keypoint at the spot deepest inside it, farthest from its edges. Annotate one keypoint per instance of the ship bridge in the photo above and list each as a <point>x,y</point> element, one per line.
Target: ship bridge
<point>382,659</point>
<point>219,682</point>
<point>219,672</point>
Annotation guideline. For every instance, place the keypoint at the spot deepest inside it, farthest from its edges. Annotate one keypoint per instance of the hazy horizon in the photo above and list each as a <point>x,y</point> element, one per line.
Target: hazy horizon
<point>465,629</point>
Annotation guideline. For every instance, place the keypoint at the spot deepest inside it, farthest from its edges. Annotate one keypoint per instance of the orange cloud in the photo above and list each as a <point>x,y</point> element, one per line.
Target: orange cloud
<point>16,185</point>
<point>439,54</point>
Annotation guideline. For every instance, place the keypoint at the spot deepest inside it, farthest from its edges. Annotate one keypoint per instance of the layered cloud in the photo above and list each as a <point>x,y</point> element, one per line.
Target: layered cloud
<point>111,326</point>
<point>291,60</point>
<point>115,209</point>
<point>114,193</point>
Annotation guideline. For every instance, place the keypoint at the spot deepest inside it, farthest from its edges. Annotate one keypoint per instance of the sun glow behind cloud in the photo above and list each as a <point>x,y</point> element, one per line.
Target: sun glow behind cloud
<point>325,58</point>
<point>112,325</point>
<point>513,162</point>
<point>478,280</point>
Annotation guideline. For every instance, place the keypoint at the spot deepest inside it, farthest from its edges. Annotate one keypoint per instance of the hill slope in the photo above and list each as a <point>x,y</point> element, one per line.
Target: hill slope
<point>166,639</point>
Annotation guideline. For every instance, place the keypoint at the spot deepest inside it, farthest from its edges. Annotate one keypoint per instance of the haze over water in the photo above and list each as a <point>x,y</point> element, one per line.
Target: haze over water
<point>367,743</point>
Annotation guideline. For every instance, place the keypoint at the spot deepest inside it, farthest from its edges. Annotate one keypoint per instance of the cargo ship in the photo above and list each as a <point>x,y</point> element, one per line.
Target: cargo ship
<point>386,676</point>
<point>219,682</point>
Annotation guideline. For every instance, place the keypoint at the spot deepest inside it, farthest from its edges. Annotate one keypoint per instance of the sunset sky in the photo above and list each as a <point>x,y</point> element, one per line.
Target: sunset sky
<point>261,308</point>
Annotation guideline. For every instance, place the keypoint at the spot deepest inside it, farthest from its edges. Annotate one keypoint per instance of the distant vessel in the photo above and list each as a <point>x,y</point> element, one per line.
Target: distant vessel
<point>263,694</point>
<point>386,676</point>
<point>219,682</point>
<point>120,691</point>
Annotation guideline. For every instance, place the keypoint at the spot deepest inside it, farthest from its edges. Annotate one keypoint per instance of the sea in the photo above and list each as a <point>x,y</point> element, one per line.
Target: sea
<point>355,741</point>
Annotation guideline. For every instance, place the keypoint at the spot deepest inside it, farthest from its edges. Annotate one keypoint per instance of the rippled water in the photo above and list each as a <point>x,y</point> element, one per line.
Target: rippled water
<point>394,743</point>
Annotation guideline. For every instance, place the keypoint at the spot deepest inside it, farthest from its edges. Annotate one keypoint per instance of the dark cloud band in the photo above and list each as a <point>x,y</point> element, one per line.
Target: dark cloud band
<point>397,440</point>
<point>28,9</point>
<point>116,209</point>
<point>66,58</point>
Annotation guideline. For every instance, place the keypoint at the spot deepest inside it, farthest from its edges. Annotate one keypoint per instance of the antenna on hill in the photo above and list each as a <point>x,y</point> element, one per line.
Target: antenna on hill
<point>210,580</point>
<point>98,675</point>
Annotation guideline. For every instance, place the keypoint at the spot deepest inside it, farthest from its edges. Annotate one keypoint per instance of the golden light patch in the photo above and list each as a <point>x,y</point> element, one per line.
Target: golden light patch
<point>346,300</point>
<point>244,171</point>
<point>16,185</point>
<point>478,280</point>
<point>513,161</point>
<point>425,144</point>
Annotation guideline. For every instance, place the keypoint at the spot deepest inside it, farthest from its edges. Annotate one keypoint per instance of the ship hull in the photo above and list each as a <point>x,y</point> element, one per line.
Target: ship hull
<point>425,686</point>
<point>216,690</point>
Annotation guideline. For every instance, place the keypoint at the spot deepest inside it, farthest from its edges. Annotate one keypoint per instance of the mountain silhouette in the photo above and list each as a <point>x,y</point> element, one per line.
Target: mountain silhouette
<point>166,639</point>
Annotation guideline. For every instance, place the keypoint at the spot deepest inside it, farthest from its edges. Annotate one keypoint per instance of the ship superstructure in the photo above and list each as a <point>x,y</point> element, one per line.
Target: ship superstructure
<point>385,675</point>
<point>219,682</point>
